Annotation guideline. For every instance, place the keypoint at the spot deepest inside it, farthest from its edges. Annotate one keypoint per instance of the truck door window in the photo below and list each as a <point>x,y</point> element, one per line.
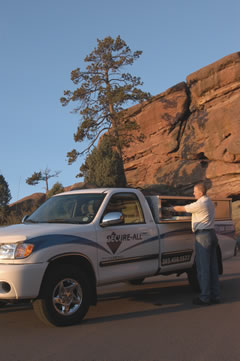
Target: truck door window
<point>160,205</point>
<point>129,205</point>
<point>165,214</point>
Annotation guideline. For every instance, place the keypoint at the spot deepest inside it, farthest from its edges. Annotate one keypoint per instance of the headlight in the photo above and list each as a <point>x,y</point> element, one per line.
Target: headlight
<point>7,251</point>
<point>15,250</point>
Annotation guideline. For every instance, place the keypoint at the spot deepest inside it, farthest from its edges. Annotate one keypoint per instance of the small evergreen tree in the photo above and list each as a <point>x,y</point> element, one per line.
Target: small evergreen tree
<point>5,197</point>
<point>103,167</point>
<point>56,188</point>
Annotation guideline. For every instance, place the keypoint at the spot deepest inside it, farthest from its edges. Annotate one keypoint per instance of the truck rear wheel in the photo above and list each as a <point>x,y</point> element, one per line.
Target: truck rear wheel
<point>3,303</point>
<point>65,298</point>
<point>136,282</point>
<point>193,279</point>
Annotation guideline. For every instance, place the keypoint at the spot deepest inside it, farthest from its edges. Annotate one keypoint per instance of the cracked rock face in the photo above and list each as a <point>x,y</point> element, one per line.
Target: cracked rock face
<point>192,133</point>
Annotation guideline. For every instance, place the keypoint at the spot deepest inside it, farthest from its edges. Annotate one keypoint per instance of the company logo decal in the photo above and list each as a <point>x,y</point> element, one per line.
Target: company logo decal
<point>115,240</point>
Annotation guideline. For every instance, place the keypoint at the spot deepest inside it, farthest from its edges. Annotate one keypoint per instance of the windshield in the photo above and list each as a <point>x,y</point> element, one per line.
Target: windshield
<point>71,208</point>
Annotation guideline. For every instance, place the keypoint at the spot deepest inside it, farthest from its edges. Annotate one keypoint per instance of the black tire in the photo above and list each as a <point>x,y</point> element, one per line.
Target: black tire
<point>136,282</point>
<point>219,259</point>
<point>193,279</point>
<point>65,297</point>
<point>236,250</point>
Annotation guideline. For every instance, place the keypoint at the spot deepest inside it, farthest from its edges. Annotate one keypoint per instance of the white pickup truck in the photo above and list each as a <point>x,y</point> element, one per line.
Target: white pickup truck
<point>79,240</point>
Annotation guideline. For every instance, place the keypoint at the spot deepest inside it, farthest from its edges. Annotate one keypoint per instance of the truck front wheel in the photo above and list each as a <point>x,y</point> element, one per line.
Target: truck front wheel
<point>65,298</point>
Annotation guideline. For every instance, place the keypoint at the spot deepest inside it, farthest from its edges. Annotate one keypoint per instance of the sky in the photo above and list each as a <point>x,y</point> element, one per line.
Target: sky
<point>43,41</point>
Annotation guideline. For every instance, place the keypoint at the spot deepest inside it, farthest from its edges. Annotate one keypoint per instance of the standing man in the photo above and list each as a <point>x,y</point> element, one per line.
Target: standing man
<point>205,245</point>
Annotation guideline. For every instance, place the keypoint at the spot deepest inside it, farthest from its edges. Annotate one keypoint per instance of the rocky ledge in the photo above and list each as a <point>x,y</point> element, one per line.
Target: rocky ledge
<point>191,133</point>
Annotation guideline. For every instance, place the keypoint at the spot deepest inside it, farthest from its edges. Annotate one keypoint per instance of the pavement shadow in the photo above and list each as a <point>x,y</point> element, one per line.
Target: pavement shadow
<point>15,307</point>
<point>164,299</point>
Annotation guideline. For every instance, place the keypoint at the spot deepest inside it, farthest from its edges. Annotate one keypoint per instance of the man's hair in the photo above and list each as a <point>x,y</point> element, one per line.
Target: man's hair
<point>202,187</point>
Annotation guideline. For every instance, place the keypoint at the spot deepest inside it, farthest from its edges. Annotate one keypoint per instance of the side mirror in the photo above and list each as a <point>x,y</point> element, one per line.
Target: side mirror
<point>112,219</point>
<point>24,218</point>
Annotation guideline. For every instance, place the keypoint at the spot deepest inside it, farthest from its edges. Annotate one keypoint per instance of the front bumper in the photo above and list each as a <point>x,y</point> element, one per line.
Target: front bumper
<point>19,281</point>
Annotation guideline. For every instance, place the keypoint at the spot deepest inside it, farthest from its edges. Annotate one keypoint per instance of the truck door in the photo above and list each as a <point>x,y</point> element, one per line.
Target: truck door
<point>177,238</point>
<point>177,246</point>
<point>128,250</point>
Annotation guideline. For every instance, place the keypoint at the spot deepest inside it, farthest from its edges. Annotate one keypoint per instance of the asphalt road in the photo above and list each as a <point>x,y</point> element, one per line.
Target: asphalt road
<point>152,322</point>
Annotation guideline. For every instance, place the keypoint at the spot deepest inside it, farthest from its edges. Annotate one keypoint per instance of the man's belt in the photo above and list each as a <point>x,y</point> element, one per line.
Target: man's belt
<point>204,230</point>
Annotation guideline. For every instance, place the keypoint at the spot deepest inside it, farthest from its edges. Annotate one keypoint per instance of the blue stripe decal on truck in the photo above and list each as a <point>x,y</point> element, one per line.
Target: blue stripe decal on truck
<point>49,240</point>
<point>176,232</point>
<point>149,240</point>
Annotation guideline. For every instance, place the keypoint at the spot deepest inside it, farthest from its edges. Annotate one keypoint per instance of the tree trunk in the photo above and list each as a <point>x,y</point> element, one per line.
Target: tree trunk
<point>47,186</point>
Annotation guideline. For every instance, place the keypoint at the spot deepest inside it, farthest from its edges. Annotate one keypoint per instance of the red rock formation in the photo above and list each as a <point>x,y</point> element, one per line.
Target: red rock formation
<point>192,132</point>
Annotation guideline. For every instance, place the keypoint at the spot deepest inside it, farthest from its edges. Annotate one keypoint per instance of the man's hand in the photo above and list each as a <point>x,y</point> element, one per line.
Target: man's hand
<point>179,209</point>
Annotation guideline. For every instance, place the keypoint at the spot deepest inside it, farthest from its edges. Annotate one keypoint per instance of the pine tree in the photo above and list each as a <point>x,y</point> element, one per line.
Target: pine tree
<point>5,197</point>
<point>104,93</point>
<point>44,176</point>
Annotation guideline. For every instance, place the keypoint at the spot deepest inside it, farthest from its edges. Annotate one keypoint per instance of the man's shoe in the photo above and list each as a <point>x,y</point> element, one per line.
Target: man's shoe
<point>199,302</point>
<point>215,301</point>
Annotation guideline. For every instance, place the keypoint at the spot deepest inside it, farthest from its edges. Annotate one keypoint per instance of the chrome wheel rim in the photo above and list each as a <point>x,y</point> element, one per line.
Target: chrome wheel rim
<point>67,297</point>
